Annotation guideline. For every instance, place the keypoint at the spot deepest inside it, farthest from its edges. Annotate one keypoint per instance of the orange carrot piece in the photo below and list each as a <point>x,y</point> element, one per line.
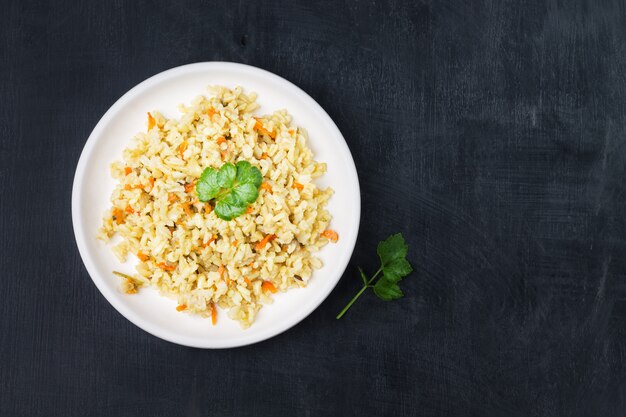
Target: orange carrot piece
<point>264,156</point>
<point>118,215</point>
<point>208,208</point>
<point>150,184</point>
<point>246,280</point>
<point>211,112</point>
<point>298,186</point>
<point>330,235</point>
<point>127,187</point>
<point>187,208</point>
<point>127,170</point>
<point>182,148</point>
<point>221,270</point>
<point>166,267</point>
<point>190,186</point>
<point>151,121</point>
<point>291,131</point>
<point>213,314</point>
<point>171,197</point>
<point>209,241</point>
<point>266,186</point>
<point>268,286</point>
<point>264,242</point>
<point>235,242</point>
<point>181,307</point>
<point>129,209</point>
<point>248,209</point>
<point>221,140</point>
<point>224,154</point>
<point>142,256</point>
<point>258,126</point>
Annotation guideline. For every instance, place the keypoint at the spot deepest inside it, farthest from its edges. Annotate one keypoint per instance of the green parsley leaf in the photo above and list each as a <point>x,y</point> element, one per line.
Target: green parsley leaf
<point>226,176</point>
<point>244,194</point>
<point>392,249</point>
<point>394,267</point>
<point>227,211</point>
<point>248,174</point>
<point>232,188</point>
<point>399,268</point>
<point>387,289</point>
<point>208,186</point>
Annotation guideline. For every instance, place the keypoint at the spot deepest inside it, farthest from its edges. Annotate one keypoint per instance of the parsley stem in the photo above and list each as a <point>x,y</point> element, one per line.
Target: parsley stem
<point>356,297</point>
<point>221,194</point>
<point>375,275</point>
<point>345,309</point>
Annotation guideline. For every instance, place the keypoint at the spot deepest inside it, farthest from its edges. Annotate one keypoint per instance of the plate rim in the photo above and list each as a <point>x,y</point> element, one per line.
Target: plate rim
<point>79,234</point>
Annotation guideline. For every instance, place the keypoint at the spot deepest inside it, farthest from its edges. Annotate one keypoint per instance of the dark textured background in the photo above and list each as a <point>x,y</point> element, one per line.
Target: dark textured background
<point>491,134</point>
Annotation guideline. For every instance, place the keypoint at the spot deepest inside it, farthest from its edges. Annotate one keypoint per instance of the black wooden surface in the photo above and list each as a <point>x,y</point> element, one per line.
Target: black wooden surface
<point>489,132</point>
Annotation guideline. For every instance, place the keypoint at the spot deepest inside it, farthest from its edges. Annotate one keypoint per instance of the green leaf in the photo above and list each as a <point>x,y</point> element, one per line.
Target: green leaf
<point>387,289</point>
<point>226,176</point>
<point>226,211</point>
<point>245,194</point>
<point>207,186</point>
<point>399,267</point>
<point>248,174</point>
<point>392,253</point>
<point>392,249</point>
<point>394,266</point>
<point>232,188</point>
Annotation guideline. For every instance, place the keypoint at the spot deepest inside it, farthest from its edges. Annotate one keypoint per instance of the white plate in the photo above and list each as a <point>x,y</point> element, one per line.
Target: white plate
<point>93,185</point>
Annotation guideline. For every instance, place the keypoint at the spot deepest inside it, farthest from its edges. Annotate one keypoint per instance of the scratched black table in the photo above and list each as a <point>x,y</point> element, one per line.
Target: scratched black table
<point>491,134</point>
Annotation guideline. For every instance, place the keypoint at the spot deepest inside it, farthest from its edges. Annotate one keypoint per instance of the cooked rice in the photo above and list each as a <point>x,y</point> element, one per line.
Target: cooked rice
<point>171,231</point>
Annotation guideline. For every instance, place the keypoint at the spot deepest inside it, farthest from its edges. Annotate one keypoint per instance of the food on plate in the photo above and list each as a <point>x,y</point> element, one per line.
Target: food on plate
<point>219,207</point>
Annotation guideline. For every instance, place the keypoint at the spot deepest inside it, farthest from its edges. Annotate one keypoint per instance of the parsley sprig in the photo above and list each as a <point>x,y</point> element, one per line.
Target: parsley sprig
<point>394,267</point>
<point>232,188</point>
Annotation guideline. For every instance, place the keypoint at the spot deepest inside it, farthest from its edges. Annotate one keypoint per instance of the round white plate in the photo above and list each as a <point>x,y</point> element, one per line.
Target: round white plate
<point>93,186</point>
